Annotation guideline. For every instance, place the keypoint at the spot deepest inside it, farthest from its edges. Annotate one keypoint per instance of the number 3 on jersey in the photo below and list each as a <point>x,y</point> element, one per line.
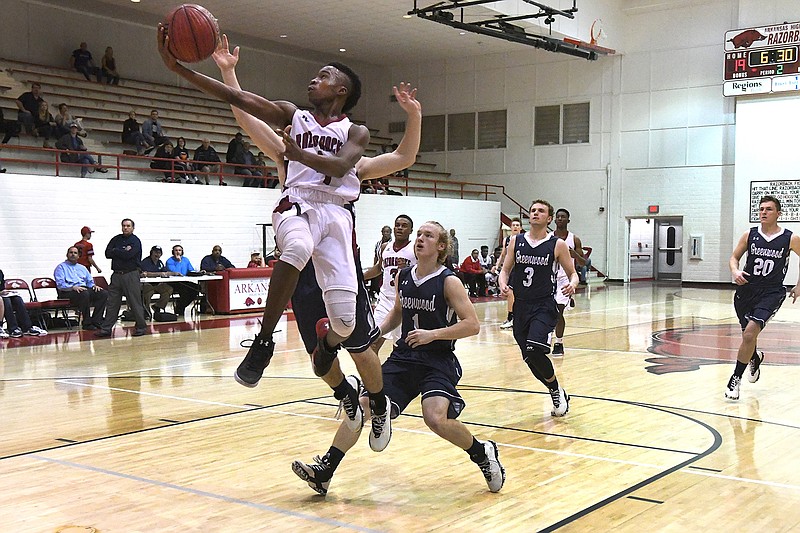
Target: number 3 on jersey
<point>528,277</point>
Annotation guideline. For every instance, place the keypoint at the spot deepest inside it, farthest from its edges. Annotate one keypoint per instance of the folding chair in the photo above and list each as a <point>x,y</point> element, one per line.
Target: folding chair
<point>47,287</point>
<point>33,307</point>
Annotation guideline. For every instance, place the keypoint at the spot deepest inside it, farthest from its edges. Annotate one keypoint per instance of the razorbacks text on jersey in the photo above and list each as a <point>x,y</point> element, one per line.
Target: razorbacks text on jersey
<point>767,258</point>
<point>392,261</point>
<point>314,137</point>
<point>534,273</point>
<point>424,307</point>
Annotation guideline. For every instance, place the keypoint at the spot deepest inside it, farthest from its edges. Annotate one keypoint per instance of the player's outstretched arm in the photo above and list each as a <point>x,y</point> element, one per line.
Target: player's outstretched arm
<point>334,165</point>
<point>406,152</point>
<point>276,113</point>
<point>259,131</point>
<point>739,276</point>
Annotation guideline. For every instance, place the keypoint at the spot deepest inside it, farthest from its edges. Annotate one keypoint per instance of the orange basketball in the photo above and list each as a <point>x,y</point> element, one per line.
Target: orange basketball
<point>193,33</point>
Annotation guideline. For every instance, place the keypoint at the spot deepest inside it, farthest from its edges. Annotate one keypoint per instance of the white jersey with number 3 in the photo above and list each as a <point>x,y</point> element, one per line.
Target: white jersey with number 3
<point>392,261</point>
<point>321,139</point>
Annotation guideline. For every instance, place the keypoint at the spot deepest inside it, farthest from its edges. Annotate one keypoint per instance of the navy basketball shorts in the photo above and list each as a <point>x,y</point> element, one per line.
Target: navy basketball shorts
<point>534,320</point>
<point>757,304</point>
<point>309,308</point>
<point>404,380</point>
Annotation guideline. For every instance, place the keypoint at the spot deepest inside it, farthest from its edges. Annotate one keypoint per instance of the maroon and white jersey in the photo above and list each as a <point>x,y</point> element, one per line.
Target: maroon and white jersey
<point>393,260</point>
<point>314,137</point>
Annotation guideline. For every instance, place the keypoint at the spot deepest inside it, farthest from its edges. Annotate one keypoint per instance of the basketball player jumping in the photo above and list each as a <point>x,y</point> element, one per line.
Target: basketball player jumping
<point>422,363</point>
<point>760,290</point>
<point>394,255</point>
<point>533,257</point>
<point>308,299</point>
<point>313,216</point>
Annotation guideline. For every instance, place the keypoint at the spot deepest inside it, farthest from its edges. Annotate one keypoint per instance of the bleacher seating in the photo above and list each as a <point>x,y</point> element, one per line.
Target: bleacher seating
<point>184,112</point>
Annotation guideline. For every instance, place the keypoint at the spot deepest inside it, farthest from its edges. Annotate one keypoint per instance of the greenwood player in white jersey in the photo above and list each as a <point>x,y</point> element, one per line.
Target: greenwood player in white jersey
<point>394,255</point>
<point>576,252</point>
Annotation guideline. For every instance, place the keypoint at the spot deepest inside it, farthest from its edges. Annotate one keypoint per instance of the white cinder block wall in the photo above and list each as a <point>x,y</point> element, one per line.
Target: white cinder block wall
<point>42,217</point>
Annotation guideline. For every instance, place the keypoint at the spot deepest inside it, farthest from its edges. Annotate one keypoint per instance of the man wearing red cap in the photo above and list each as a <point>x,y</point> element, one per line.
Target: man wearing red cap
<point>86,250</point>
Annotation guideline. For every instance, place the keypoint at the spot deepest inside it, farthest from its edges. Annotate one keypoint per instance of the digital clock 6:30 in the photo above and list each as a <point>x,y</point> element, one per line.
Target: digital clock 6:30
<point>773,56</point>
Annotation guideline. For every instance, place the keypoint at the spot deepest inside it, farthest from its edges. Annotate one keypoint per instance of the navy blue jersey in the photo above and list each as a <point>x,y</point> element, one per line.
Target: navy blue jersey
<point>767,260</point>
<point>424,307</point>
<point>534,273</point>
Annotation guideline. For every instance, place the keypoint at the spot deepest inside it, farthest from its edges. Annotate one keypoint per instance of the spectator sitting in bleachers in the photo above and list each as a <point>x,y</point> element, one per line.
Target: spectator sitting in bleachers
<point>17,318</point>
<point>261,165</point>
<point>28,105</point>
<point>44,125</point>
<point>165,160</point>
<point>205,154</point>
<point>182,155</point>
<point>132,134</point>
<point>235,146</point>
<point>368,187</point>
<point>246,158</point>
<point>74,283</point>
<point>109,67</point>
<point>384,185</point>
<point>63,119</point>
<point>153,133</point>
<point>492,275</point>
<point>81,60</point>
<point>76,152</point>
<point>9,128</point>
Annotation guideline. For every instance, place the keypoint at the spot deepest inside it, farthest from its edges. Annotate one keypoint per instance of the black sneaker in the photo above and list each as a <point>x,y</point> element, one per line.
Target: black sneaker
<point>351,406</point>
<point>558,349</point>
<point>257,359</point>
<point>322,358</point>
<point>755,367</point>
<point>318,476</point>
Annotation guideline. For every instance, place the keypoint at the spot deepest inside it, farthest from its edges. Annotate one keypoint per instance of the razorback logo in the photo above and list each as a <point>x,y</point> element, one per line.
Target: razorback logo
<point>687,349</point>
<point>746,39</point>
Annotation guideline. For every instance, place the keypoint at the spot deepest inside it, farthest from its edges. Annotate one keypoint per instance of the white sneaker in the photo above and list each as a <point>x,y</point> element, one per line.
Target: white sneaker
<point>508,324</point>
<point>381,432</point>
<point>560,402</point>
<point>36,331</point>
<point>4,334</point>
<point>732,390</point>
<point>754,367</point>
<point>493,471</point>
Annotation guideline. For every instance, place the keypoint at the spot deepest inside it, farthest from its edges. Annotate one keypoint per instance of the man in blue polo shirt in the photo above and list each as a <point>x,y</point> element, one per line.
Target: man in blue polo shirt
<point>74,283</point>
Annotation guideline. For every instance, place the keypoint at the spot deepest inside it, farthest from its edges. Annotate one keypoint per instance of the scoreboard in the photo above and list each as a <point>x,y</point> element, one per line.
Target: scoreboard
<point>762,60</point>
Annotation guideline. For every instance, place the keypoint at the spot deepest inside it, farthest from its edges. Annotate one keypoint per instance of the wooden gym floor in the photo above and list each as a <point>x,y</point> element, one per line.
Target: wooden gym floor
<point>153,434</point>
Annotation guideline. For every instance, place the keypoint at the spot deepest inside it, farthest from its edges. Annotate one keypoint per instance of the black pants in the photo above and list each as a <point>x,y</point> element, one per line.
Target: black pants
<point>476,283</point>
<point>16,314</point>
<point>85,300</point>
